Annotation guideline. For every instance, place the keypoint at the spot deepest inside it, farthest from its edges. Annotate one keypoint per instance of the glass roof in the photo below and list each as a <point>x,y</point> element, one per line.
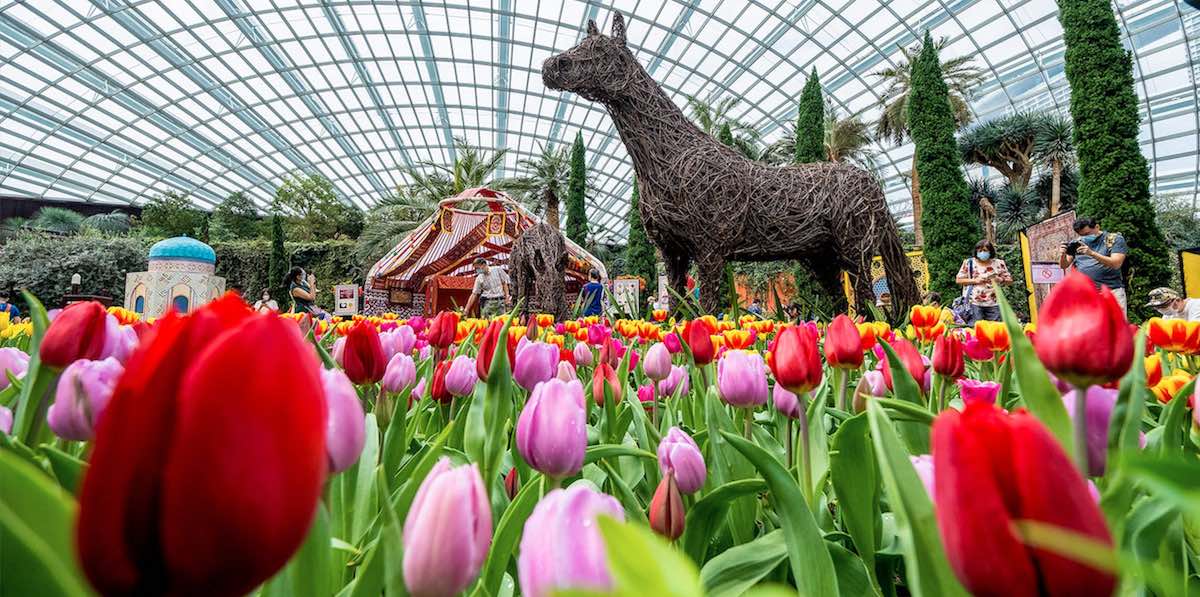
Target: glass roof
<point>118,100</point>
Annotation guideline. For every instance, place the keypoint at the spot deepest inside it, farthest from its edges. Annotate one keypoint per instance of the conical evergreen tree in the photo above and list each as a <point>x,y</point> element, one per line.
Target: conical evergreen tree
<point>577,225</point>
<point>1114,184</point>
<point>951,228</point>
<point>810,123</point>
<point>639,253</point>
<point>277,266</point>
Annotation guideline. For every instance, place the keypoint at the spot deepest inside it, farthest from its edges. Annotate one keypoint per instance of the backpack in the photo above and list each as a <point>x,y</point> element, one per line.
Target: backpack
<point>961,307</point>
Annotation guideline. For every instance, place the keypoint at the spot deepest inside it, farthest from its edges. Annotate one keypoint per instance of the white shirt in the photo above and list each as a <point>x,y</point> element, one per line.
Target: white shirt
<point>490,284</point>
<point>1191,311</point>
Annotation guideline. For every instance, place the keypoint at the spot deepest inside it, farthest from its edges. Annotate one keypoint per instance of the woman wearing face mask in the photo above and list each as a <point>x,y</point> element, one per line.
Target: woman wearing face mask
<point>302,289</point>
<point>977,275</point>
<point>266,304</point>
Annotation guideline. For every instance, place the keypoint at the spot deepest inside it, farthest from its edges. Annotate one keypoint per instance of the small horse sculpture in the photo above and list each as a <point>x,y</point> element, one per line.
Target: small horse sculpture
<point>703,201</point>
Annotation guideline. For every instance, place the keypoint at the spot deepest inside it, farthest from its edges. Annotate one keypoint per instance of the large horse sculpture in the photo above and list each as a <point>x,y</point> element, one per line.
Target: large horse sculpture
<point>703,201</point>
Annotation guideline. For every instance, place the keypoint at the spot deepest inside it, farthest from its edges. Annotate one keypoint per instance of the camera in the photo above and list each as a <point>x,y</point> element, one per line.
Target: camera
<point>1073,247</point>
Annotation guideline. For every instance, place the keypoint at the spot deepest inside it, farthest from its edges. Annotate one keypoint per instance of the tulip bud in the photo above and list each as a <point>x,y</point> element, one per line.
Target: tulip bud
<point>512,483</point>
<point>338,352</point>
<point>552,429</point>
<point>345,427</point>
<point>1103,354</point>
<point>1099,409</point>
<point>787,403</point>
<point>606,376</point>
<point>401,372</point>
<point>443,329</point>
<point>699,339</point>
<point>417,393</point>
<point>871,384</point>
<point>439,392</point>
<point>404,340</point>
<point>679,455</point>
<point>677,381</point>
<point>948,357</point>
<point>487,349</point>
<point>673,344</point>
<point>843,345</point>
<point>461,376</point>
<point>666,509</point>
<point>566,371</point>
<point>363,359</point>
<point>536,362</point>
<point>598,334</point>
<point>79,332</point>
<point>583,355</point>
<point>448,531</point>
<point>910,358</point>
<point>13,361</point>
<point>657,363</point>
<point>82,396</point>
<point>795,360</point>
<point>6,420</point>
<point>742,379</point>
<point>561,545</point>
<point>645,394</point>
<point>983,391</point>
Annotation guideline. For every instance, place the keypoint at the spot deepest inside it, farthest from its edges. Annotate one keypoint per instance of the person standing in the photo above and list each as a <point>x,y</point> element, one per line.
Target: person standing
<point>302,289</point>
<point>593,294</point>
<point>1171,305</point>
<point>6,307</point>
<point>977,275</point>
<point>266,304</point>
<point>755,307</point>
<point>1098,255</point>
<point>490,292</point>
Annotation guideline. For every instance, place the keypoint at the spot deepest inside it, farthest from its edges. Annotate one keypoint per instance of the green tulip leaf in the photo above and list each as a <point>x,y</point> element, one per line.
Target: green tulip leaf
<point>735,570</point>
<point>508,535</point>
<point>641,563</point>
<point>67,468</point>
<point>855,477</point>
<point>707,514</point>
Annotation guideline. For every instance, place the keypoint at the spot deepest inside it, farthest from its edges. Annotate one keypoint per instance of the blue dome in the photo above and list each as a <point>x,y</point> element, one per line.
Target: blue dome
<point>182,247</point>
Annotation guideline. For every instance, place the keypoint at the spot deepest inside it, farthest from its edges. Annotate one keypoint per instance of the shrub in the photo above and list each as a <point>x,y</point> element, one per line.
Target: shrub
<point>235,218</point>
<point>44,264</point>
<point>172,214</point>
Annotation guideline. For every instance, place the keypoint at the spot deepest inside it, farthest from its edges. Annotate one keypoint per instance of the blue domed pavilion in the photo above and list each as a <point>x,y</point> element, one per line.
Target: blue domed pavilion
<point>181,276</point>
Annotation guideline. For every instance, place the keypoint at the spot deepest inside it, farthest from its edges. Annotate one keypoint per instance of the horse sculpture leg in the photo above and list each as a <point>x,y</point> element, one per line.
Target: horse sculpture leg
<point>677,269</point>
<point>712,270</point>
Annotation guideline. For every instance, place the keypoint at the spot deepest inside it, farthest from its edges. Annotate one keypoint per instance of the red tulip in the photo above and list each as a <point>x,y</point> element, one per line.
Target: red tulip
<point>843,344</point>
<point>438,391</point>
<point>487,349</point>
<point>795,360</point>
<point>605,375</point>
<point>698,335</point>
<point>442,329</point>
<point>363,358</point>
<point>666,509</point>
<point>948,356</point>
<point>169,504</point>
<point>77,333</point>
<point>512,483</point>
<point>1082,336</point>
<point>910,358</point>
<point>992,469</point>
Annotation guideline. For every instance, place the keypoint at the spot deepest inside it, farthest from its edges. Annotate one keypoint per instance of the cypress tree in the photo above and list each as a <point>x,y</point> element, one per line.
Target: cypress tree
<point>951,228</point>
<point>1114,182</point>
<point>577,226</point>
<point>810,123</point>
<point>277,266</point>
<point>639,253</point>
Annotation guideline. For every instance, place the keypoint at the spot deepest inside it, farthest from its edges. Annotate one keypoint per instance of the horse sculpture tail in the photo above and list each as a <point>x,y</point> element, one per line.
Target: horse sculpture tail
<point>901,282</point>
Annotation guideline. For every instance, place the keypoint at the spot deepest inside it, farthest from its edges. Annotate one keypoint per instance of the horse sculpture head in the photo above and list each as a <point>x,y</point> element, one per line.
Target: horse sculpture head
<point>599,68</point>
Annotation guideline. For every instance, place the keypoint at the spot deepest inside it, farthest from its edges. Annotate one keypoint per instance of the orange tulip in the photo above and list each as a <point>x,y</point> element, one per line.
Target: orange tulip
<point>1175,335</point>
<point>545,320</point>
<point>924,316</point>
<point>738,339</point>
<point>571,326</point>
<point>992,335</point>
<point>929,334</point>
<point>1154,370</point>
<point>1166,389</point>
<point>659,314</point>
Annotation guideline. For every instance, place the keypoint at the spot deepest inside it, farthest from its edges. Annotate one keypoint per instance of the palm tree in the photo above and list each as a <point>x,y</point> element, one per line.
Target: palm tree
<point>711,117</point>
<point>542,180</point>
<point>847,140</point>
<point>1054,147</point>
<point>960,75</point>
<point>57,220</point>
<point>114,222</point>
<point>1017,207</point>
<point>472,167</point>
<point>391,220</point>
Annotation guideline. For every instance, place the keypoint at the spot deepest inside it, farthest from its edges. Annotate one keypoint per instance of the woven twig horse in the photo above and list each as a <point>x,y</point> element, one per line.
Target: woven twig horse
<point>703,201</point>
<point>538,264</point>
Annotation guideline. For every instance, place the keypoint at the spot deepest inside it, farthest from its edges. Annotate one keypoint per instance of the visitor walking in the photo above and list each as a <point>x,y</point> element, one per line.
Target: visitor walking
<point>593,294</point>
<point>302,288</point>
<point>6,307</point>
<point>977,275</point>
<point>755,307</point>
<point>266,304</point>
<point>1171,305</point>
<point>490,293</point>
<point>1099,255</point>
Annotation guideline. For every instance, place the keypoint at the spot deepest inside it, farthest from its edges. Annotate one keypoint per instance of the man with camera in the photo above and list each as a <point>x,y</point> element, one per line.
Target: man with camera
<point>1098,255</point>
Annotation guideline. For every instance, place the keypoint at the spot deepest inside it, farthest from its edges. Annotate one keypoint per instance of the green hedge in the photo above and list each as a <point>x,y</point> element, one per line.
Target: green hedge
<point>44,264</point>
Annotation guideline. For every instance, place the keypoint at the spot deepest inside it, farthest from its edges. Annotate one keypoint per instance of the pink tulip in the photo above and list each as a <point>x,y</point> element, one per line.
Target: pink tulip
<point>645,394</point>
<point>14,361</point>
<point>401,372</point>
<point>6,420</point>
<point>82,396</point>
<point>672,342</point>
<point>418,324</point>
<point>984,391</point>
<point>787,403</point>
<point>561,546</point>
<point>976,350</point>
<point>678,453</point>
<point>535,362</point>
<point>1100,405</point>
<point>598,334</point>
<point>552,429</point>
<point>583,355</point>
<point>121,340</point>
<point>677,383</point>
<point>461,378</point>
<point>345,427</point>
<point>448,531</point>
<point>657,363</point>
<point>566,371</point>
<point>418,391</point>
<point>742,379</point>
<point>338,352</point>
<point>924,466</point>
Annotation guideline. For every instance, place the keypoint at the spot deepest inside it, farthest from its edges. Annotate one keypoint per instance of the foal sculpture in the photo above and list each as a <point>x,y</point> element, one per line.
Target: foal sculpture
<point>703,201</point>
<point>538,265</point>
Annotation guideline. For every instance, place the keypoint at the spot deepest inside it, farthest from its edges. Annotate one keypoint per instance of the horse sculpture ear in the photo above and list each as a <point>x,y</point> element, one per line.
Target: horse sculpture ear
<point>592,28</point>
<point>618,27</point>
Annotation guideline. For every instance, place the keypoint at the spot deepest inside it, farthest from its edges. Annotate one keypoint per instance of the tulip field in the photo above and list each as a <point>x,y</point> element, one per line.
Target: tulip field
<point>227,453</point>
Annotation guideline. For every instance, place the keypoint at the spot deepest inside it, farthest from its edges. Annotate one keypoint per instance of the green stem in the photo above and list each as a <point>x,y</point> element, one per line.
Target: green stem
<point>791,458</point>
<point>749,423</point>
<point>805,451</point>
<point>840,378</point>
<point>1081,451</point>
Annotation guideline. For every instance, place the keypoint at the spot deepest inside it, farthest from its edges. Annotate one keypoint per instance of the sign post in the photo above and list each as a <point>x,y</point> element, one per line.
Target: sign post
<point>1039,250</point>
<point>345,299</point>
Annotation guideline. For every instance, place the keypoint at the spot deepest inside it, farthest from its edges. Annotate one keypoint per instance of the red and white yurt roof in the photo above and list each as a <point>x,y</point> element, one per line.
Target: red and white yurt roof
<point>449,240</point>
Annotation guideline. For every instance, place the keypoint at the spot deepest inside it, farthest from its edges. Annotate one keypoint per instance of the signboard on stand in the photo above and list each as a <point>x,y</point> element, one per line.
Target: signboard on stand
<point>1039,250</point>
<point>664,297</point>
<point>625,293</point>
<point>345,299</point>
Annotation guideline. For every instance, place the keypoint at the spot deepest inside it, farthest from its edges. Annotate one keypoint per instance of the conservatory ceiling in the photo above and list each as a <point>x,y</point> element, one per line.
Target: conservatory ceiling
<point>114,101</point>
